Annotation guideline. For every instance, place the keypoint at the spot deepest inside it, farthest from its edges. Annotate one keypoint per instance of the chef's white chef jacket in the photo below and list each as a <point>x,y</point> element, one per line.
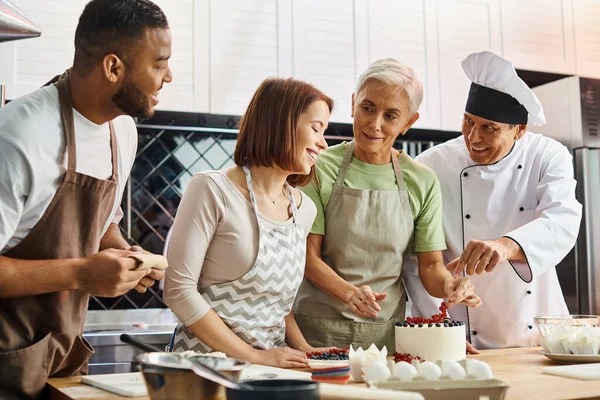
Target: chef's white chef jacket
<point>528,196</point>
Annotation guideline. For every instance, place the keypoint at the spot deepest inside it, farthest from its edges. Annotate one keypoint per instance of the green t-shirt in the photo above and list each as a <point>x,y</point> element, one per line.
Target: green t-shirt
<point>423,188</point>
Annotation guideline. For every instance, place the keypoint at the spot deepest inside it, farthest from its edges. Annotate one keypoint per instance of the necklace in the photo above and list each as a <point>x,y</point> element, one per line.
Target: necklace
<point>265,192</point>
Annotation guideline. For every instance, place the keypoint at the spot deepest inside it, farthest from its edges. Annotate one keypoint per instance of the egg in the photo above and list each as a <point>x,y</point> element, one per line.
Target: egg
<point>453,370</point>
<point>405,371</point>
<point>479,370</point>
<point>377,371</point>
<point>430,371</point>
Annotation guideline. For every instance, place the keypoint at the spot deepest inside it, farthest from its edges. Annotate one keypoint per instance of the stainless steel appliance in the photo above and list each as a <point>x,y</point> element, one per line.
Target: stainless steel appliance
<point>572,109</point>
<point>104,328</point>
<point>14,24</point>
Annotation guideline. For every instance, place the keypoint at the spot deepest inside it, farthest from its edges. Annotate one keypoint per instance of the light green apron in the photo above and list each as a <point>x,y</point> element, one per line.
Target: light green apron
<point>367,236</point>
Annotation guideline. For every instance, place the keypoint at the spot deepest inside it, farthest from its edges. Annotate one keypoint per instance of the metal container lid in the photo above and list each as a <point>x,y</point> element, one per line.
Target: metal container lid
<point>165,360</point>
<point>14,24</point>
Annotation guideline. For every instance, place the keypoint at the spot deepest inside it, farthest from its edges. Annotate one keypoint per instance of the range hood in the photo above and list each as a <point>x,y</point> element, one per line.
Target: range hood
<point>14,24</point>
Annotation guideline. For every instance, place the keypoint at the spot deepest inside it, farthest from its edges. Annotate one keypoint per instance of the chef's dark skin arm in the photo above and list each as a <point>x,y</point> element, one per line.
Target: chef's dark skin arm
<point>113,239</point>
<point>108,273</point>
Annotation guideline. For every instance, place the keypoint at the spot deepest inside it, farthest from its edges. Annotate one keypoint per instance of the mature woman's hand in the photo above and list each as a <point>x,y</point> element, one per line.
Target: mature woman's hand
<point>283,357</point>
<point>364,302</point>
<point>461,290</point>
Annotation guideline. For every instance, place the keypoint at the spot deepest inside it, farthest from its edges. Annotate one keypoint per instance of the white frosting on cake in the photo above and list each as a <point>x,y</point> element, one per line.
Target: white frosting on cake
<point>432,343</point>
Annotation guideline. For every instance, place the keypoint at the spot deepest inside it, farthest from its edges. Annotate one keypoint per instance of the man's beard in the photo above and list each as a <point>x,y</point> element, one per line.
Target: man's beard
<point>133,102</point>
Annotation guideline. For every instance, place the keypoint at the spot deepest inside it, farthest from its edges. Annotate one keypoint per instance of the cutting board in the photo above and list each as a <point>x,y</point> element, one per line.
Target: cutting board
<point>132,384</point>
<point>128,384</point>
<point>587,372</point>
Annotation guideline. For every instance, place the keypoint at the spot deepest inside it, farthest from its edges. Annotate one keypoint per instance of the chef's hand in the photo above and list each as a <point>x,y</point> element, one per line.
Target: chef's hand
<point>479,256</point>
<point>364,302</point>
<point>461,290</point>
<point>110,273</point>
<point>147,281</point>
<point>283,357</point>
<point>471,349</point>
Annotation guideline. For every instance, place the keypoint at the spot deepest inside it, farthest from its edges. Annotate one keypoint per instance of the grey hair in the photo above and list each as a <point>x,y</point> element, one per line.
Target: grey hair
<point>392,72</point>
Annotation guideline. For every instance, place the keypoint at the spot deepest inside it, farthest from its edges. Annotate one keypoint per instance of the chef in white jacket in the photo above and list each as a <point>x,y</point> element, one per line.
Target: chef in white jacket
<point>509,209</point>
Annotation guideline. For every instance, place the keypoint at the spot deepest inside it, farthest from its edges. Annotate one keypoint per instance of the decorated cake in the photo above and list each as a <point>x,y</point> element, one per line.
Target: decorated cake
<point>433,339</point>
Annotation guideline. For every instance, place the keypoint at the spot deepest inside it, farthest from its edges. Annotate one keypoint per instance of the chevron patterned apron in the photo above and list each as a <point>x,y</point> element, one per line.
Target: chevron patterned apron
<point>255,305</point>
<point>367,236</point>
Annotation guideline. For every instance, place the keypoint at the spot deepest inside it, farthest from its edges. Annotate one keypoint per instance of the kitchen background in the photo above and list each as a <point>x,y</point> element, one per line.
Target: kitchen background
<point>222,50</point>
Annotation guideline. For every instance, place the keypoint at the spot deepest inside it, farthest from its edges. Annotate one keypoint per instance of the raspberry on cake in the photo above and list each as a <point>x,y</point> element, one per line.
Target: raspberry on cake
<point>433,339</point>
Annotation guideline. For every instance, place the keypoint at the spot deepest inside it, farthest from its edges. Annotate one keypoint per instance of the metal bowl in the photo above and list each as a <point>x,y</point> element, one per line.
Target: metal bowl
<point>168,377</point>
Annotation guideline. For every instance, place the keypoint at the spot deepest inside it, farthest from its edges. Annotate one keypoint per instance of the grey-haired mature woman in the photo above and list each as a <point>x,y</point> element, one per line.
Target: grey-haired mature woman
<point>374,205</point>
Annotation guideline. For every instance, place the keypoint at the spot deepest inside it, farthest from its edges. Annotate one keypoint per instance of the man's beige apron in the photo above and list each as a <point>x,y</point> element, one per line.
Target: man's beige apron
<point>367,236</point>
<point>40,336</point>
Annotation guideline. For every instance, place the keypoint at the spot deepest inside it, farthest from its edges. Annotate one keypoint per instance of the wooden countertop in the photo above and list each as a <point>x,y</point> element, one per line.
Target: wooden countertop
<point>521,368</point>
<point>71,388</point>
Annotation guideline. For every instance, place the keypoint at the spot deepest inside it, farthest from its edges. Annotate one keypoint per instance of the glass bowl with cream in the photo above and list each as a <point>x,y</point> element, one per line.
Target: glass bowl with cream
<point>570,334</point>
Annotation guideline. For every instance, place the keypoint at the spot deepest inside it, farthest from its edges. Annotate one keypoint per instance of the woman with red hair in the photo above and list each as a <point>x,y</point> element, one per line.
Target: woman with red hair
<point>238,247</point>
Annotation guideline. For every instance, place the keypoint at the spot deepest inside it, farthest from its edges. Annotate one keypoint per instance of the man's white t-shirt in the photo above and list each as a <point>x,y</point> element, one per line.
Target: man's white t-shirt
<point>33,159</point>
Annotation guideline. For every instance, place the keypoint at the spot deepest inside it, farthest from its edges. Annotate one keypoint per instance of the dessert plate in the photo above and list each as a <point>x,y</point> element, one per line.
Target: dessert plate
<point>572,358</point>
